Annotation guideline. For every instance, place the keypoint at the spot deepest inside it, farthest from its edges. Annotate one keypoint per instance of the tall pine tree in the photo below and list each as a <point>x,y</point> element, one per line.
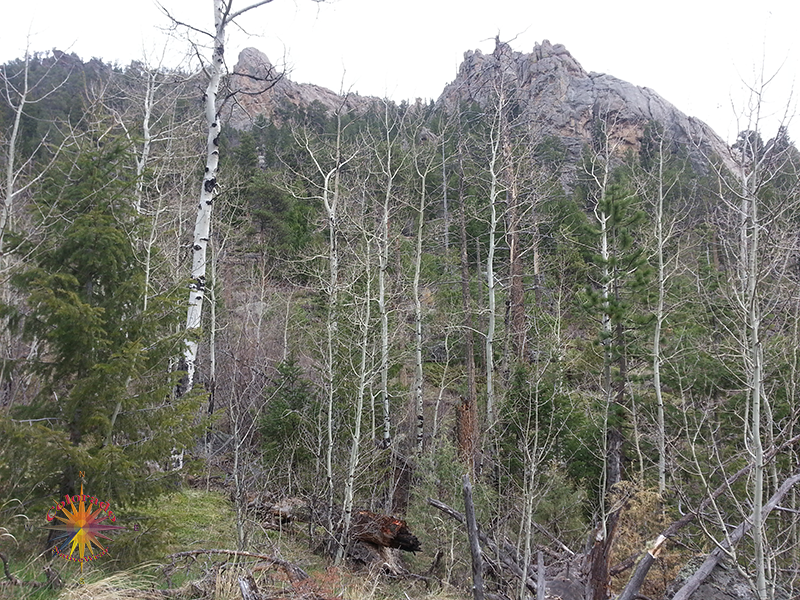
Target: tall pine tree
<point>104,403</point>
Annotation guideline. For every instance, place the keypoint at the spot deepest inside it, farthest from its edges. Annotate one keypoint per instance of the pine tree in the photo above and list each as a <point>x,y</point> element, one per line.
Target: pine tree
<point>105,392</point>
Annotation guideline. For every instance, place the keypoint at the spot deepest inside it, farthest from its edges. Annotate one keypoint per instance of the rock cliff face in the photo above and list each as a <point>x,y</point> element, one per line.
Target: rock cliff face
<point>261,89</point>
<point>563,100</point>
<point>549,86</point>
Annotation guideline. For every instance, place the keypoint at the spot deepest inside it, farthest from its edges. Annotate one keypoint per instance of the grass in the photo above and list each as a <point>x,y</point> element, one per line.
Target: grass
<point>201,520</point>
<point>195,520</point>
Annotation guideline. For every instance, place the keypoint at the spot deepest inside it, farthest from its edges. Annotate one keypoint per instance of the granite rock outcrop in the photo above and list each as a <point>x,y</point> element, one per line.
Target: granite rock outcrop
<point>550,86</point>
<point>561,99</point>
<point>261,89</point>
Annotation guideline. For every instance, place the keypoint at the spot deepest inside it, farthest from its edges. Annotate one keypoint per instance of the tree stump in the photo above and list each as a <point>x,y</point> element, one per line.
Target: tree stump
<point>383,530</point>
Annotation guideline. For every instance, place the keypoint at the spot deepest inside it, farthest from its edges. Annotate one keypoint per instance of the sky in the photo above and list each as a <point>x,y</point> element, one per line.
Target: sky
<point>700,55</point>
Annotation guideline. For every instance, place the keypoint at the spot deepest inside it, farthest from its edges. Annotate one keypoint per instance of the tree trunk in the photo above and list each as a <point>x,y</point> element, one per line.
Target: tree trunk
<point>474,543</point>
<point>383,268</point>
<point>659,319</point>
<point>355,446</point>
<point>719,553</point>
<point>468,408</point>
<point>418,375</point>
<point>202,226</point>
<point>516,291</point>
<point>690,516</point>
<point>490,278</point>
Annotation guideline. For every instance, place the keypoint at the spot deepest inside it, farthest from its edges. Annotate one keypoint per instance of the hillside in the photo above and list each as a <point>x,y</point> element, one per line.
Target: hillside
<point>554,91</point>
<point>549,299</point>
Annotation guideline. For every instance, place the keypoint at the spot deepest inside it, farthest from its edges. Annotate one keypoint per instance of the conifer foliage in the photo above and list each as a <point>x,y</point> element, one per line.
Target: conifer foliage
<point>105,394</point>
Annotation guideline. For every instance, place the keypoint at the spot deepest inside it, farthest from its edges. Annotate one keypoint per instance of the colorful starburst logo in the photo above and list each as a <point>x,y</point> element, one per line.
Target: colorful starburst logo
<point>82,525</point>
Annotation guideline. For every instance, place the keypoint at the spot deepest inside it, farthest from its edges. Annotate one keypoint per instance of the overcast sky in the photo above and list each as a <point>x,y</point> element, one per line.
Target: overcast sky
<point>698,54</point>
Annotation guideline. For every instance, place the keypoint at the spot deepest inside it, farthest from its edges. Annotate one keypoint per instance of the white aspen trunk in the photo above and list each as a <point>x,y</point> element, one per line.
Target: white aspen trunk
<point>383,267</point>
<point>445,210</point>
<point>490,326</point>
<point>752,353</point>
<point>442,388</point>
<point>332,329</point>
<point>530,473</point>
<point>285,353</point>
<point>13,172</point>
<point>212,348</point>
<point>349,485</point>
<point>660,241</point>
<point>418,375</point>
<point>330,200</point>
<point>202,227</point>
<point>756,364</point>
<point>141,161</point>
<point>605,292</point>
<point>8,201</point>
<point>238,488</point>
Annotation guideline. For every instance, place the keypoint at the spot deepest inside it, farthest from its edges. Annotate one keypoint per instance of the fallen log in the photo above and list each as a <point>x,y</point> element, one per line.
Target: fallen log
<point>293,572</point>
<point>716,555</point>
<point>505,556</point>
<point>383,530</point>
<point>631,591</point>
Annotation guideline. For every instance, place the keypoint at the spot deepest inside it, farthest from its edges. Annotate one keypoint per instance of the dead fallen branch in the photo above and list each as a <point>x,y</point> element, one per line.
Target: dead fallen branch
<point>630,591</point>
<point>53,578</point>
<point>507,558</point>
<point>716,555</point>
<point>292,571</point>
<point>13,579</point>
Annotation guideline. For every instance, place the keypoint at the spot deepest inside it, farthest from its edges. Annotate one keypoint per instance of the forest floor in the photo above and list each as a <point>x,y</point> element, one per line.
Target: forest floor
<point>184,546</point>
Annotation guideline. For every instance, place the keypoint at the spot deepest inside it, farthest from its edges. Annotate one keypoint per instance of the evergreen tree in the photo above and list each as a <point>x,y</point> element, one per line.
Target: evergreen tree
<point>617,291</point>
<point>105,391</point>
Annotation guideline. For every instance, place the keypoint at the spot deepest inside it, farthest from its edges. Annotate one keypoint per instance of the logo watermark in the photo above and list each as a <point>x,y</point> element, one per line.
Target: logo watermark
<point>85,520</point>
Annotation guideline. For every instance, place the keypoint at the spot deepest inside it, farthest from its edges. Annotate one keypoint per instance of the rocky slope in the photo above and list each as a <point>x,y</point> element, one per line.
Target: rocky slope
<point>262,90</point>
<point>563,100</point>
<point>549,85</point>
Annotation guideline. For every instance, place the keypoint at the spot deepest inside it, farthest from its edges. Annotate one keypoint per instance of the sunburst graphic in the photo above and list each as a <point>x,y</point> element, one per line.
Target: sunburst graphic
<point>80,531</point>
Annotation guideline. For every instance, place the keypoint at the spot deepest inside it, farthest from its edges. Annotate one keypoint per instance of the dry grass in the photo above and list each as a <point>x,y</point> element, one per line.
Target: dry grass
<point>125,585</point>
<point>642,519</point>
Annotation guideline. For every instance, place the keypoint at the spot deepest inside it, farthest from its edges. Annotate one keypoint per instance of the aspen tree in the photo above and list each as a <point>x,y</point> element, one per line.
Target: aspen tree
<point>755,167</point>
<point>423,166</point>
<point>494,194</point>
<point>467,429</point>
<point>390,165</point>
<point>327,172</point>
<point>20,96</point>
<point>621,269</point>
<point>224,15</point>
<point>363,375</point>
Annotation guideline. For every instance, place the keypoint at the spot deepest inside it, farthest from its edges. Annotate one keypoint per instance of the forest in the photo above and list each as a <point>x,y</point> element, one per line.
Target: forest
<point>419,348</point>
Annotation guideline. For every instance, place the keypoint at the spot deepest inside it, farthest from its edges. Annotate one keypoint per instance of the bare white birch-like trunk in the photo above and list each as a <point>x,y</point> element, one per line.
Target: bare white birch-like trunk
<point>390,171</point>
<point>753,353</point>
<point>660,241</point>
<point>418,375</point>
<point>223,15</point>
<point>8,201</point>
<point>202,226</point>
<point>491,318</point>
<point>18,99</point>
<point>355,446</point>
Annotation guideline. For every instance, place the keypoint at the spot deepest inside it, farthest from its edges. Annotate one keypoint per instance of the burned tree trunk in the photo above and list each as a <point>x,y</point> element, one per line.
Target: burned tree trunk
<point>383,530</point>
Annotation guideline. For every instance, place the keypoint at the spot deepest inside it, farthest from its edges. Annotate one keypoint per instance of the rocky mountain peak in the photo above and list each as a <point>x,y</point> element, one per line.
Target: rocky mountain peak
<point>548,85</point>
<point>263,89</point>
<point>562,100</point>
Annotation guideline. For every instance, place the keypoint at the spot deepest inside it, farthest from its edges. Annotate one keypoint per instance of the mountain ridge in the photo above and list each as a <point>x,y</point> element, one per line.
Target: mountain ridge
<point>551,86</point>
